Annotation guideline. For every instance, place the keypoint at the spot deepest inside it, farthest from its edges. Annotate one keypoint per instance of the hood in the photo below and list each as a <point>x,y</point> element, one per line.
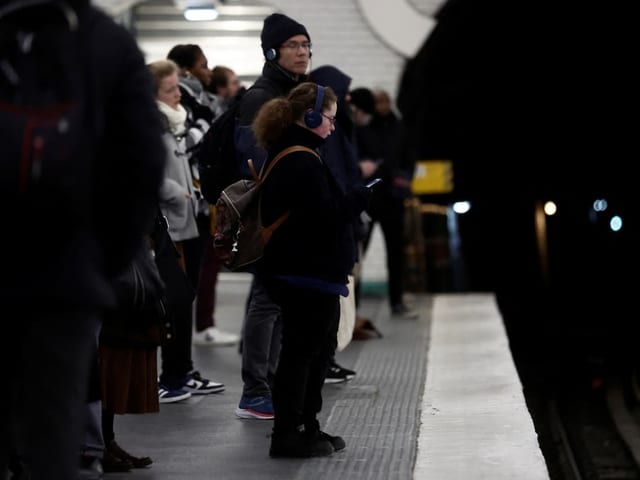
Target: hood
<point>330,76</point>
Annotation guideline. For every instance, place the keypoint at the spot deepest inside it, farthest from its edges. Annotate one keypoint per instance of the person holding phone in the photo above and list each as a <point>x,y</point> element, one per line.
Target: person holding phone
<point>382,149</point>
<point>373,182</point>
<point>306,262</point>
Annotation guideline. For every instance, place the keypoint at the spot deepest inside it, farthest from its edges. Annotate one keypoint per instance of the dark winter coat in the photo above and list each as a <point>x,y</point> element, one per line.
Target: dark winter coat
<point>274,82</point>
<point>59,259</point>
<point>314,241</point>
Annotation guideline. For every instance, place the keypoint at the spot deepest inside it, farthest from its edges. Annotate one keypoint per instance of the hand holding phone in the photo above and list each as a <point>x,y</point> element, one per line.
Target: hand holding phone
<point>373,182</point>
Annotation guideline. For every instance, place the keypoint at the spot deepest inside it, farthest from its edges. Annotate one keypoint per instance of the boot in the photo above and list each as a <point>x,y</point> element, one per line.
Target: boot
<point>298,445</point>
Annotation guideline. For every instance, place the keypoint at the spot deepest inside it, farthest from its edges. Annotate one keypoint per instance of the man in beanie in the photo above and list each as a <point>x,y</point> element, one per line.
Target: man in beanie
<point>286,46</point>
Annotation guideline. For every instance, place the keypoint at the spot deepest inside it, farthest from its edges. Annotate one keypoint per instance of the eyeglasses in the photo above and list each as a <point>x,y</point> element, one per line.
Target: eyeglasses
<point>331,119</point>
<point>296,45</point>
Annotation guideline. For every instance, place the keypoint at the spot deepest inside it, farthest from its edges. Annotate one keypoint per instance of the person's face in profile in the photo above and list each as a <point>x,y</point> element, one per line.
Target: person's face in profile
<point>169,91</point>
<point>328,121</point>
<point>233,85</point>
<point>201,70</point>
<point>294,54</point>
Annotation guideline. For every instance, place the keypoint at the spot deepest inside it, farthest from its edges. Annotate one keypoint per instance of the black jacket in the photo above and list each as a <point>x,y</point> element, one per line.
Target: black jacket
<point>315,240</point>
<point>274,82</point>
<point>60,259</point>
<point>339,151</point>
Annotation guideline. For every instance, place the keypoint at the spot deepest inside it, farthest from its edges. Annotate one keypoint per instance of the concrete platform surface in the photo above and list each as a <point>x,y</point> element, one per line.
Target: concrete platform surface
<point>470,423</point>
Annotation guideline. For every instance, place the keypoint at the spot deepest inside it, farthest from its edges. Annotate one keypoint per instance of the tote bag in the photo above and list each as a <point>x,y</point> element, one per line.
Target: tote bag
<point>347,317</point>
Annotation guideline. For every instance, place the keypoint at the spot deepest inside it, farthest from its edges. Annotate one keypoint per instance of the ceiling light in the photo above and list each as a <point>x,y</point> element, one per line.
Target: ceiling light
<point>200,10</point>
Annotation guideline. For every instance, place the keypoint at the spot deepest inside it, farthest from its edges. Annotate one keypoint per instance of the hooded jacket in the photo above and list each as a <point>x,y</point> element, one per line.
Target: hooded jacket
<point>339,151</point>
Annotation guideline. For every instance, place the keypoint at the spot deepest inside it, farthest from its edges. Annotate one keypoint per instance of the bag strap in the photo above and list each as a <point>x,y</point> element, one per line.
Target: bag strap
<point>268,231</point>
<point>283,153</point>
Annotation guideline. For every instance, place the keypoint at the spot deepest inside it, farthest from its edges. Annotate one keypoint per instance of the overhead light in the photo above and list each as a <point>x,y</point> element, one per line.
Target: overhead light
<point>200,10</point>
<point>200,14</point>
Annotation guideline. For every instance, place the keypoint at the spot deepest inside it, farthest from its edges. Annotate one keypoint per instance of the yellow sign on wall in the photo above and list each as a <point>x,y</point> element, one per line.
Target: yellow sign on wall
<point>432,176</point>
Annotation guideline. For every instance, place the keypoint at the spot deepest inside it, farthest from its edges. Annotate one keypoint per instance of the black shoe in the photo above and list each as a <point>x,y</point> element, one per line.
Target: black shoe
<point>111,463</point>
<point>298,445</point>
<point>338,374</point>
<point>336,442</point>
<point>348,373</point>
<point>137,462</point>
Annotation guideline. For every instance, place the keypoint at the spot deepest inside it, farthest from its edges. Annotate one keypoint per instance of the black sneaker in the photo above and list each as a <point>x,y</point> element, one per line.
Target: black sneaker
<point>338,374</point>
<point>349,373</point>
<point>299,445</point>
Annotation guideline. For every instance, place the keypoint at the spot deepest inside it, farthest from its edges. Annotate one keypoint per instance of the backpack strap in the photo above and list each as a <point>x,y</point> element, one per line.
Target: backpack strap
<point>283,153</point>
<point>268,231</point>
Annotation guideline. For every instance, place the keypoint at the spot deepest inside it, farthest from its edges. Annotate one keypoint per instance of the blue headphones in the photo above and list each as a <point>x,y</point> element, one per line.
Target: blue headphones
<point>271,54</point>
<point>313,118</point>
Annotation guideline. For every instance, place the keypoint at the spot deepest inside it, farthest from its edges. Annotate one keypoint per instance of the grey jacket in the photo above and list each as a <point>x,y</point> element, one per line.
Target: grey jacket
<point>178,199</point>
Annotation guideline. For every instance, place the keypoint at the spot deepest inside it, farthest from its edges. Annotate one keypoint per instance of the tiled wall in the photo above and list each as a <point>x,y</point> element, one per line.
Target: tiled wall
<point>340,31</point>
<point>341,36</point>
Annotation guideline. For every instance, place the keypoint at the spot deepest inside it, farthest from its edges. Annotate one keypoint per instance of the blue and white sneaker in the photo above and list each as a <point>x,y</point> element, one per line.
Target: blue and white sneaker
<point>197,385</point>
<point>168,395</point>
<point>260,408</point>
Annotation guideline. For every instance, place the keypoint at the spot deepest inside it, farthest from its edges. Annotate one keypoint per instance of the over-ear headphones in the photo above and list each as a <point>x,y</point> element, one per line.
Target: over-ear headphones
<point>271,54</point>
<point>313,118</point>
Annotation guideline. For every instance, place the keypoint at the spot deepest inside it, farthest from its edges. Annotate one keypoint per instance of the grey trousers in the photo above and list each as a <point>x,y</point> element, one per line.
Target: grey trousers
<point>260,341</point>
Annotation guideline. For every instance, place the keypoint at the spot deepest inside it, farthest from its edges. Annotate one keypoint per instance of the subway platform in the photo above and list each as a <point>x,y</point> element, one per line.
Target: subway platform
<point>436,398</point>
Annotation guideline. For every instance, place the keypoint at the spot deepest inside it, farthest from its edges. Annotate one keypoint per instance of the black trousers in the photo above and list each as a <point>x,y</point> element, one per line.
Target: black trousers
<point>389,213</point>
<point>176,359</point>
<point>45,357</point>
<point>309,326</point>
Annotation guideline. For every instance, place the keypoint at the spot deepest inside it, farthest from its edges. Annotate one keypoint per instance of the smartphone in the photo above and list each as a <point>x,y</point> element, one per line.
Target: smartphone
<point>373,182</point>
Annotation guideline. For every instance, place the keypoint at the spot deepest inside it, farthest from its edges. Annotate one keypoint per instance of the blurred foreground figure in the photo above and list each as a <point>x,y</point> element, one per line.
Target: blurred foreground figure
<point>522,129</point>
<point>81,161</point>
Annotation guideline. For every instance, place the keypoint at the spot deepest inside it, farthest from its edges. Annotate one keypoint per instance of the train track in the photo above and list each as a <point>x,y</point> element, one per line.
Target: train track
<point>587,431</point>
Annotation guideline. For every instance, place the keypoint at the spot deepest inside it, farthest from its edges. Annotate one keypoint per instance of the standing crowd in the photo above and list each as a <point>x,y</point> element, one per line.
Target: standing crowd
<point>98,348</point>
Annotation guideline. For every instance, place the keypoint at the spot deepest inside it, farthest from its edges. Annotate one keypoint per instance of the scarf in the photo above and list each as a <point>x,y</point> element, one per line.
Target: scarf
<point>176,117</point>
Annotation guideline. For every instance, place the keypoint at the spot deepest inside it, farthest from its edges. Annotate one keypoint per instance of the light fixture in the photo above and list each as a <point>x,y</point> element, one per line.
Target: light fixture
<point>199,10</point>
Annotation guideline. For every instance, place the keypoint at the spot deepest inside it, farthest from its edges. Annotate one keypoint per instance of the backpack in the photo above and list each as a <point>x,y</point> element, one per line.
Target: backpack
<point>216,156</point>
<point>43,116</point>
<point>240,237</point>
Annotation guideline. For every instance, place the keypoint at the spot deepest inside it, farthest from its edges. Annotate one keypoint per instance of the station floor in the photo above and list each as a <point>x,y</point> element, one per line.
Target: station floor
<point>436,398</point>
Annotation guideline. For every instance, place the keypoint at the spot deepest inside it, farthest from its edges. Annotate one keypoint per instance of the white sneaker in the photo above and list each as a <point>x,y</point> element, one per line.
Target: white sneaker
<point>212,336</point>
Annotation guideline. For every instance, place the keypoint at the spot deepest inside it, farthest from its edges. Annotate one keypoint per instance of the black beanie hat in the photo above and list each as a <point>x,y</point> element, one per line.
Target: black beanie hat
<point>277,29</point>
<point>363,99</point>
